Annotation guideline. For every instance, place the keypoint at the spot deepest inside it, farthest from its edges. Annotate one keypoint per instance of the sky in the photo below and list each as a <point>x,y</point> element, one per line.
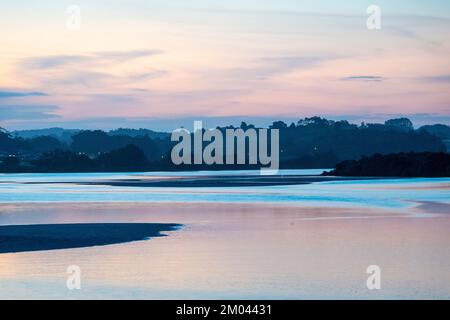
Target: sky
<point>163,63</point>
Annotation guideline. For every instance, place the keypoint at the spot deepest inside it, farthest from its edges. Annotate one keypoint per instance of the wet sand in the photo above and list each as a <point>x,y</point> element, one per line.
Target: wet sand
<point>25,238</point>
<point>434,207</point>
<point>210,181</point>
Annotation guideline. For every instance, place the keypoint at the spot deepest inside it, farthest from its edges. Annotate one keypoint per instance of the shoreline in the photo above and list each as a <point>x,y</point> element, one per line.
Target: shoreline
<point>211,181</point>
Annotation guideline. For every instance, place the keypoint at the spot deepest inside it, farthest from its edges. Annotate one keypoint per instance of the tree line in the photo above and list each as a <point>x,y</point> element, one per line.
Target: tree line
<point>310,143</point>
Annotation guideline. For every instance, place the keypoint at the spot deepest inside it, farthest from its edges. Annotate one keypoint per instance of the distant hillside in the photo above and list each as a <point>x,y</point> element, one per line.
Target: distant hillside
<point>95,142</point>
<point>65,135</point>
<point>139,132</point>
<point>441,131</point>
<point>61,134</point>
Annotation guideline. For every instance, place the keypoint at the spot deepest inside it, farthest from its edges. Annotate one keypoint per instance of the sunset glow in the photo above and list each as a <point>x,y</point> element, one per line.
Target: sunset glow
<point>133,61</point>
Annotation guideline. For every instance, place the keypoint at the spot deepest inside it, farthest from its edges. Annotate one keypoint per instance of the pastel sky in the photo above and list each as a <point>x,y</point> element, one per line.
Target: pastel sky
<point>144,63</point>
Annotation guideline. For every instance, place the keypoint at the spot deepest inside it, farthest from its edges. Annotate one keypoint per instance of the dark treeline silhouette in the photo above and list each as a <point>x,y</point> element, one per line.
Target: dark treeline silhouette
<point>129,158</point>
<point>328,142</point>
<point>97,142</point>
<point>309,143</point>
<point>440,130</point>
<point>424,164</point>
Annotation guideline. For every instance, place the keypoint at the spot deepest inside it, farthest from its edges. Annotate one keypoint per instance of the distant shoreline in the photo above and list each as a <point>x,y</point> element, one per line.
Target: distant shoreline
<point>211,181</point>
<point>205,179</point>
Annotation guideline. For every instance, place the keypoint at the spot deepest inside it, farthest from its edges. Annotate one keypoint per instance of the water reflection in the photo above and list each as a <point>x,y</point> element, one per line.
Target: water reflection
<point>267,242</point>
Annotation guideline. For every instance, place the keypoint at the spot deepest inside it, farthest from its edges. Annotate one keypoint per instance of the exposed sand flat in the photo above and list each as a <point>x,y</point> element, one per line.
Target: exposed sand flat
<point>434,207</point>
<point>23,238</point>
<point>421,186</point>
<point>209,181</point>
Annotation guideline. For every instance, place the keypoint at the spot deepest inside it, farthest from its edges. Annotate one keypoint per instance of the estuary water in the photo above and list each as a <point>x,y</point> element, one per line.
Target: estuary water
<point>304,241</point>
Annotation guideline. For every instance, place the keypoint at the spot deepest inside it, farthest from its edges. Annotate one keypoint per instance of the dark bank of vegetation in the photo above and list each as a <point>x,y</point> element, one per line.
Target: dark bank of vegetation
<point>128,159</point>
<point>309,143</point>
<point>425,164</point>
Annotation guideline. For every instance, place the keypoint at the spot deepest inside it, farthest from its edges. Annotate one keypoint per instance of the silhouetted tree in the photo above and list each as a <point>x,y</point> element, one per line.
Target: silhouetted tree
<point>63,161</point>
<point>45,144</point>
<point>129,158</point>
<point>278,125</point>
<point>439,130</point>
<point>401,123</point>
<point>10,164</point>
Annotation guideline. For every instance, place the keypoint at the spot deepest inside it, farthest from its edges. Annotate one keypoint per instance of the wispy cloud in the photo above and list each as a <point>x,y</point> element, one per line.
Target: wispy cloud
<point>82,78</point>
<point>28,112</point>
<point>363,78</point>
<point>55,61</point>
<point>268,67</point>
<point>94,79</point>
<point>127,55</point>
<point>290,63</point>
<point>5,94</point>
<point>148,75</point>
<point>49,62</point>
<point>440,78</point>
<point>88,70</point>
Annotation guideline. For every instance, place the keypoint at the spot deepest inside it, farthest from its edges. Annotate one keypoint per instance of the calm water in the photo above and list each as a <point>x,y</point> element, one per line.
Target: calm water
<point>303,241</point>
<point>387,193</point>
